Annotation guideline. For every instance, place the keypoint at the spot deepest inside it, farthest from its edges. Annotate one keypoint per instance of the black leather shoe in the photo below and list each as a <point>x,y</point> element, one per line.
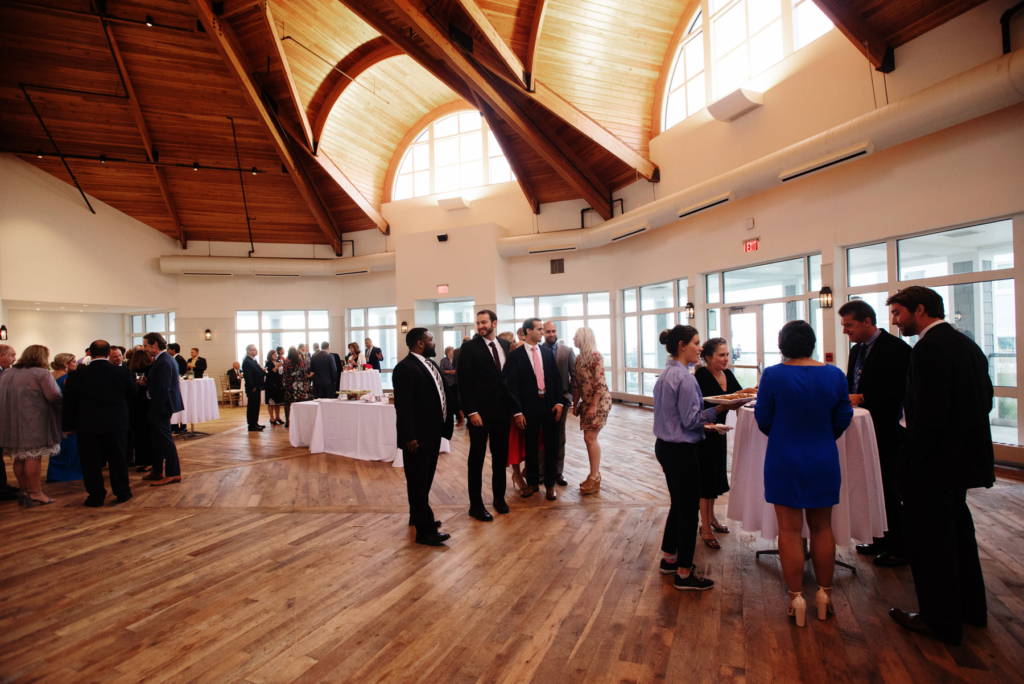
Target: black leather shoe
<point>123,499</point>
<point>435,539</point>
<point>914,623</point>
<point>437,523</point>
<point>93,503</point>
<point>872,549</point>
<point>530,491</point>
<point>888,559</point>
<point>561,480</point>
<point>482,515</point>
<point>258,428</point>
<point>501,507</point>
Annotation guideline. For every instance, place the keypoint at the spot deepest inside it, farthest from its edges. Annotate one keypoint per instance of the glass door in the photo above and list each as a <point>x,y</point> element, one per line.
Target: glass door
<point>744,335</point>
<point>451,336</point>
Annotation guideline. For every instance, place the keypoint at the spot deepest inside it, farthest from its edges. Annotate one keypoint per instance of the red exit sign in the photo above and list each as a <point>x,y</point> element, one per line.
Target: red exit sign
<point>750,245</point>
<point>442,289</point>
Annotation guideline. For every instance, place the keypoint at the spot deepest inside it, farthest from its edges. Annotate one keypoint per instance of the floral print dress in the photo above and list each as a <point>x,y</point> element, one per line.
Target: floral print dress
<point>296,385</point>
<point>593,390</point>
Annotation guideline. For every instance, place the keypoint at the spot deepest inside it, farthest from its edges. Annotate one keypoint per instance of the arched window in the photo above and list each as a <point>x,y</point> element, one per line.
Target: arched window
<point>455,152</point>
<point>733,41</point>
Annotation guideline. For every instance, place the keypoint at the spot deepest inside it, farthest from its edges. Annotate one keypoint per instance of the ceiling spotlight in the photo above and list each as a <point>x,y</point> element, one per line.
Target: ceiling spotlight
<point>254,170</point>
<point>39,154</point>
<point>149,20</point>
<point>103,159</point>
<point>195,166</point>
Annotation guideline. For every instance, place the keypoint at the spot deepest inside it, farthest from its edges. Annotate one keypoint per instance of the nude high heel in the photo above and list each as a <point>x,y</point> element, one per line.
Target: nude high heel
<point>798,607</point>
<point>824,600</point>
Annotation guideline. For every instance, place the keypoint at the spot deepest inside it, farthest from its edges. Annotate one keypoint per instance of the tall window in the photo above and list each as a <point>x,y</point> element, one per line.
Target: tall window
<point>162,322</point>
<point>378,324</point>
<point>570,312</point>
<point>742,39</point>
<point>453,153</point>
<point>648,310</point>
<point>971,268</point>
<point>272,329</point>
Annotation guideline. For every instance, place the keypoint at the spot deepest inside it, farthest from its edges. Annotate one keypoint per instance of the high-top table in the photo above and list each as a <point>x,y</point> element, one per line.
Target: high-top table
<point>356,429</point>
<point>361,380</point>
<point>860,513</point>
<point>200,398</point>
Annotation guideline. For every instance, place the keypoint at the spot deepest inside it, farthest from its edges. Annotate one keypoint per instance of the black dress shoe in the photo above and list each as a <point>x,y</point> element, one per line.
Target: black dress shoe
<point>123,499</point>
<point>435,539</point>
<point>530,491</point>
<point>437,523</point>
<point>93,503</point>
<point>501,507</point>
<point>258,428</point>
<point>561,480</point>
<point>482,515</point>
<point>888,559</point>
<point>872,549</point>
<point>914,623</point>
<point>9,493</point>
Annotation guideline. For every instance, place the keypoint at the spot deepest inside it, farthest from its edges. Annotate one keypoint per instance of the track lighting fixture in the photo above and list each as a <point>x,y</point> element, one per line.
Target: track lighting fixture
<point>254,170</point>
<point>39,154</point>
<point>103,159</point>
<point>195,166</point>
<point>149,20</point>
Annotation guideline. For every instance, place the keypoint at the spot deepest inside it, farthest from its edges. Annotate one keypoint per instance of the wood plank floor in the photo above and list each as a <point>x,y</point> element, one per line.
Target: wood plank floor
<point>271,565</point>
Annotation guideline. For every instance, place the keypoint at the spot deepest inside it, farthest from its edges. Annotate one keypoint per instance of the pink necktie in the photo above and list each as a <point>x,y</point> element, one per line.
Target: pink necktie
<point>538,370</point>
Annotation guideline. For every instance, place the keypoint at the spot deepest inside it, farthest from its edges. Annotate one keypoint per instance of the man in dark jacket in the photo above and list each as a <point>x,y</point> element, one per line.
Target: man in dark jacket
<point>162,383</point>
<point>255,380</point>
<point>948,450</point>
<point>325,373</point>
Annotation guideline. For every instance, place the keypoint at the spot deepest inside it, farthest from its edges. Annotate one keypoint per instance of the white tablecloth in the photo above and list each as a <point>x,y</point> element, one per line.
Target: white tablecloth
<point>362,380</point>
<point>348,428</point>
<point>200,400</point>
<point>860,513</point>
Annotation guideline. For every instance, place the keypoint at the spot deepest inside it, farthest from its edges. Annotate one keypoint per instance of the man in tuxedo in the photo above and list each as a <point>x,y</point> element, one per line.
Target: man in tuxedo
<point>163,384</point>
<point>565,360</point>
<point>422,420</point>
<point>947,450</point>
<point>235,376</point>
<point>487,407</point>
<point>7,493</point>
<point>877,378</point>
<point>96,409</point>
<point>535,387</point>
<point>373,355</point>
<point>196,364</point>
<point>325,373</point>
<point>255,380</point>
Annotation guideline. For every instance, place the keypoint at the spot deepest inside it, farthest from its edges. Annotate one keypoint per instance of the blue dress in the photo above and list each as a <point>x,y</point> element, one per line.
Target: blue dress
<point>803,410</point>
<point>65,466</point>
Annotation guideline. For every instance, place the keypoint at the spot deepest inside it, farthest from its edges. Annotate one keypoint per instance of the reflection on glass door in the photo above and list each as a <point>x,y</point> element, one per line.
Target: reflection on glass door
<point>743,338</point>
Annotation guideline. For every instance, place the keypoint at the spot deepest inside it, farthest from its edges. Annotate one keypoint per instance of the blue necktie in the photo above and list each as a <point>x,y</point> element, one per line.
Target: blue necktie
<point>858,366</point>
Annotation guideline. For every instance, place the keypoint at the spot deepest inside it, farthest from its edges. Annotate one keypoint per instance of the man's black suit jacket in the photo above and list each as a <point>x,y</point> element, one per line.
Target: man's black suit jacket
<point>255,376</point>
<point>522,384</point>
<point>324,370</point>
<point>164,386</point>
<point>182,364</point>
<point>883,382</point>
<point>338,366</point>
<point>200,367</point>
<point>481,385</point>
<point>235,378</point>
<point>96,399</point>
<point>948,400</point>
<point>418,409</point>
<point>373,356</point>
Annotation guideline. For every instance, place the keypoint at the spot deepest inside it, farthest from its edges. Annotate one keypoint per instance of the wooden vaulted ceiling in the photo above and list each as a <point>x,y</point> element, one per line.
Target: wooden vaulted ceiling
<point>322,93</point>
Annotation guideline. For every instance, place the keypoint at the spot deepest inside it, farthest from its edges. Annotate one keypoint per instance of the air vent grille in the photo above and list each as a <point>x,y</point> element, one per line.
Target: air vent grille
<point>557,266</point>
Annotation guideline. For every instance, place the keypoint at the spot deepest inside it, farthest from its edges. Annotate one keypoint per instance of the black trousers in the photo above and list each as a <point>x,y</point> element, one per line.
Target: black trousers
<point>419,476</point>
<point>165,454</point>
<point>143,443</point>
<point>944,559</point>
<point>682,472</point>
<point>93,450</point>
<point>891,463</point>
<point>323,392</point>
<point>532,434</point>
<point>495,429</point>
<point>252,410</point>
<point>560,463</point>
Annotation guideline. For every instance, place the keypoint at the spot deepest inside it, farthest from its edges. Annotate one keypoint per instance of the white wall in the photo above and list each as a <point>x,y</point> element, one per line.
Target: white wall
<point>63,332</point>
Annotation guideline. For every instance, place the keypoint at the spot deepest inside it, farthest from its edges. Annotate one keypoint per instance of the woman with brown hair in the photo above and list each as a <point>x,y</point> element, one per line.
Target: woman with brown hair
<point>30,403</point>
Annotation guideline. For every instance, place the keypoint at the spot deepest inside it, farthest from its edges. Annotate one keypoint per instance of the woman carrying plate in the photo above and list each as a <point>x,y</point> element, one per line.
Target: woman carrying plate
<point>714,379</point>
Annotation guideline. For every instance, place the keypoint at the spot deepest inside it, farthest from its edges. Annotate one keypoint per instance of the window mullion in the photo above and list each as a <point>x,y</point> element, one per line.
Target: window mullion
<point>787,28</point>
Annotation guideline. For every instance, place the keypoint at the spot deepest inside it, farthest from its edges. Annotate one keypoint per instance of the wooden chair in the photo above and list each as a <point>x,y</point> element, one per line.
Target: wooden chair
<point>233,397</point>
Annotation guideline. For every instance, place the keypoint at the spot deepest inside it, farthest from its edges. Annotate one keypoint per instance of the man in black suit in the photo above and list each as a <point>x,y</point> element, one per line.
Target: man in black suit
<point>373,355</point>
<point>162,383</point>
<point>877,378</point>
<point>174,350</point>
<point>255,380</point>
<point>96,409</point>
<point>947,450</point>
<point>235,376</point>
<point>338,365</point>
<point>196,364</point>
<point>487,406</point>
<point>7,493</point>
<point>422,420</point>
<point>535,387</point>
<point>325,373</point>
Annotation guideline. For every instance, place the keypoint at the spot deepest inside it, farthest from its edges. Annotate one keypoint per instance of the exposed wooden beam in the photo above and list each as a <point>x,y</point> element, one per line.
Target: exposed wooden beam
<point>484,25</point>
<point>232,8</point>
<point>234,58</point>
<point>384,49</point>
<point>328,165</point>
<point>293,90</point>
<point>412,14</point>
<point>522,177</point>
<point>535,29</point>
<point>874,47</point>
<point>147,142</point>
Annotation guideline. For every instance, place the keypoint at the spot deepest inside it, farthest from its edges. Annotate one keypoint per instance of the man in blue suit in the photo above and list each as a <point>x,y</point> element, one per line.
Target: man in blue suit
<point>165,401</point>
<point>255,380</point>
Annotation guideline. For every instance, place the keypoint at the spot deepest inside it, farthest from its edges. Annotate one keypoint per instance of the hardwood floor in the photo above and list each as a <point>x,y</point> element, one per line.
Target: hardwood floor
<point>271,565</point>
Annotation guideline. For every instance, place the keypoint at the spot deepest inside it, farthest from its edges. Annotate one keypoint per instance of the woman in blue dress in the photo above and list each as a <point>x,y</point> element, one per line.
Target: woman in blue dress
<point>65,466</point>
<point>804,407</point>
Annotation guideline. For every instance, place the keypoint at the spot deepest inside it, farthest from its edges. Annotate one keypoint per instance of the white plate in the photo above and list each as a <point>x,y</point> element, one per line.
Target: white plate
<point>730,402</point>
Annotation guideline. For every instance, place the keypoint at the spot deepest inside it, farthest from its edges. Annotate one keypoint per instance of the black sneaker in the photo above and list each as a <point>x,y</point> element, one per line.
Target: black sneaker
<point>668,568</point>
<point>693,582</point>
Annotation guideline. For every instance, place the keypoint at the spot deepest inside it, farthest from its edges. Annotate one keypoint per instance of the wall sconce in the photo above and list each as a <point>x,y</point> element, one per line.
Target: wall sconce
<point>209,335</point>
<point>825,298</point>
<point>405,327</point>
<point>691,312</point>
<point>3,332</point>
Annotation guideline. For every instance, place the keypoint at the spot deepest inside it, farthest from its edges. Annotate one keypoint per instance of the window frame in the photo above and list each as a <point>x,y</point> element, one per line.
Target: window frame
<point>361,333</point>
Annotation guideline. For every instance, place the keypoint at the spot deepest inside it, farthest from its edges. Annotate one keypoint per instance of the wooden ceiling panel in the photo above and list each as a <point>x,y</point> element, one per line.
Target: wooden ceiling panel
<point>374,114</point>
<point>513,21</point>
<point>900,21</point>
